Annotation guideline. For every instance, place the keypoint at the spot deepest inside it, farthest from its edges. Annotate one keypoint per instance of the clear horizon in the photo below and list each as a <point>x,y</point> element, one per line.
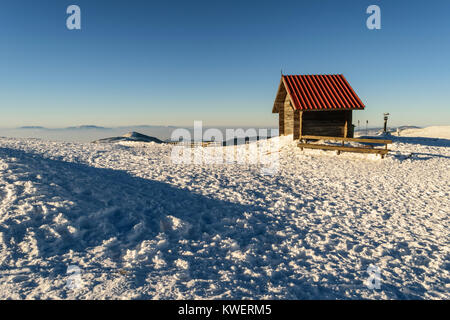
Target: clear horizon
<point>94,126</point>
<point>172,64</point>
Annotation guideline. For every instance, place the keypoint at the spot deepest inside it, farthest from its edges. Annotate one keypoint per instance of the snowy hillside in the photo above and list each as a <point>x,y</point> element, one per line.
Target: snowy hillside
<point>429,132</point>
<point>139,226</point>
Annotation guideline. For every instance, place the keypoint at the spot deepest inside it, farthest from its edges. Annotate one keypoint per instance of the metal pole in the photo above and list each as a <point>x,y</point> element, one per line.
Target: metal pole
<point>385,116</point>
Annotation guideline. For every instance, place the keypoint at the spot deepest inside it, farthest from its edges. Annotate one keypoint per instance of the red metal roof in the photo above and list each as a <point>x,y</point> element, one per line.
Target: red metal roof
<point>321,92</point>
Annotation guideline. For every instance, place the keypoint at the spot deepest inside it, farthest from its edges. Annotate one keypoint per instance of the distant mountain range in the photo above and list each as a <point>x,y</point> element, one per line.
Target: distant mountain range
<point>390,128</point>
<point>93,127</point>
<point>407,127</point>
<point>86,127</point>
<point>31,127</point>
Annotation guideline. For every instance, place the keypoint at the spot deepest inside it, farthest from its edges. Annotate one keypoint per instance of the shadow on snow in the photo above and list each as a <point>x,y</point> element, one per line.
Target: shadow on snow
<point>116,212</point>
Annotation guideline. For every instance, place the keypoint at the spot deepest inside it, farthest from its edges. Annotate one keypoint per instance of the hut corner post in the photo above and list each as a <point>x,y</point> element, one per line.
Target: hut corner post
<point>348,130</point>
<point>298,123</point>
<point>281,121</point>
<point>349,125</point>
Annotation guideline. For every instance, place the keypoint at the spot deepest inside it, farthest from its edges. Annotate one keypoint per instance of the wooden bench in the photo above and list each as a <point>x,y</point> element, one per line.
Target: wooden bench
<point>342,148</point>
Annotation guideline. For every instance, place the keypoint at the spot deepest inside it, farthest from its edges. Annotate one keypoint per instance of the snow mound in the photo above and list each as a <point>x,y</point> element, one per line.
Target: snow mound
<point>130,137</point>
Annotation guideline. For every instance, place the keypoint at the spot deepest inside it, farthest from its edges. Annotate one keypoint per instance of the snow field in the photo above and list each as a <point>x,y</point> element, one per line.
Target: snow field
<point>140,226</point>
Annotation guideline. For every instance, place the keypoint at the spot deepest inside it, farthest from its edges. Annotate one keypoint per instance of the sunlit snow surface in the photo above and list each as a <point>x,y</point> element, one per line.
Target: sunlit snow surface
<point>141,227</point>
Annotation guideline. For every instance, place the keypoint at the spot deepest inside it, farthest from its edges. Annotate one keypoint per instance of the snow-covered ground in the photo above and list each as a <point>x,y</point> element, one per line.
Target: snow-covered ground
<point>139,226</point>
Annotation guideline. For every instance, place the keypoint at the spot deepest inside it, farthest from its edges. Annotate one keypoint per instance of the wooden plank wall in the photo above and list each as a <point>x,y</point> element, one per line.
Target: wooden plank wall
<point>351,128</point>
<point>288,117</point>
<point>281,121</point>
<point>297,124</point>
<point>324,123</point>
<point>280,98</point>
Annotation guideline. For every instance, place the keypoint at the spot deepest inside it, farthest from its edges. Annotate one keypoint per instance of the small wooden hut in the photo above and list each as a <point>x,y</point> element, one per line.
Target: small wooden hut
<point>316,105</point>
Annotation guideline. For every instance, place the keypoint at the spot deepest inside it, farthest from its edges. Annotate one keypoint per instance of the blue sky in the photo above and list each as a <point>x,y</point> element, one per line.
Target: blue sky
<point>173,62</point>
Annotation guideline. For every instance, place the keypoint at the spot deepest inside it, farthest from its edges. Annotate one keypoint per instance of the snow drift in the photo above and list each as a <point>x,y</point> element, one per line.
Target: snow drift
<point>129,137</point>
